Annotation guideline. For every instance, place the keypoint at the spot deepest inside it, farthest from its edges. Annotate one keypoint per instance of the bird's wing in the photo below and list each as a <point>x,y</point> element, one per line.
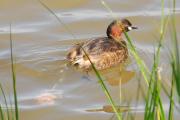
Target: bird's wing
<point>108,59</point>
<point>103,45</point>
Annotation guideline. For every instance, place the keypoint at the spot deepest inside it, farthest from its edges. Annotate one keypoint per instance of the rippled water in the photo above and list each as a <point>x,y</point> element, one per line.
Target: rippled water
<point>47,88</point>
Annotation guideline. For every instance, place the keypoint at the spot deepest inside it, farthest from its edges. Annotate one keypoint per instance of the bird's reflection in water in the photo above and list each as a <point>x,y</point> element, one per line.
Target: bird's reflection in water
<point>117,75</point>
<point>109,109</point>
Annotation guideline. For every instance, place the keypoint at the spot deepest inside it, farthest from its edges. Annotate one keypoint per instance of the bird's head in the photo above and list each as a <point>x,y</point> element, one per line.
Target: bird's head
<point>117,27</point>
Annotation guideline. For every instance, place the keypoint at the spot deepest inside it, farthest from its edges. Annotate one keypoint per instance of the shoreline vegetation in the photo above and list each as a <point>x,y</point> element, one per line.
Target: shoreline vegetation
<point>154,109</point>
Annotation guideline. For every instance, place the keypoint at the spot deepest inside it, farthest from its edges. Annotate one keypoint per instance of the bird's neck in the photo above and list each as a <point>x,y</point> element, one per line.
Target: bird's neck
<point>117,38</point>
<point>116,33</point>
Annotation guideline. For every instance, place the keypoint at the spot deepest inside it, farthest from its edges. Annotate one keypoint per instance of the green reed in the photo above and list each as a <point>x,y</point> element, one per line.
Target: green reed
<point>175,64</point>
<point>104,88</point>
<point>1,113</point>
<point>171,98</point>
<point>5,102</point>
<point>14,78</point>
<point>154,104</point>
<point>6,112</point>
<point>175,51</point>
<point>1,107</point>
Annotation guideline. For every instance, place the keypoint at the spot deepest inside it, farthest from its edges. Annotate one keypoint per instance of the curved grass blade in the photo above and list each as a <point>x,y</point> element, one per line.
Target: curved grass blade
<point>59,20</point>
<point>5,100</point>
<point>14,78</point>
<point>175,64</point>
<point>175,52</point>
<point>104,87</point>
<point>171,106</point>
<point>1,113</point>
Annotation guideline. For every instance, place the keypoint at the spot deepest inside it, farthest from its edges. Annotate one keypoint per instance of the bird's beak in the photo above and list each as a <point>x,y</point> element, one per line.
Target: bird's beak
<point>131,28</point>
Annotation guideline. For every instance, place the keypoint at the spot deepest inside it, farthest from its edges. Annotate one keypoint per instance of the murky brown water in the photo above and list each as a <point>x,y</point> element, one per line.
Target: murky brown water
<point>50,90</point>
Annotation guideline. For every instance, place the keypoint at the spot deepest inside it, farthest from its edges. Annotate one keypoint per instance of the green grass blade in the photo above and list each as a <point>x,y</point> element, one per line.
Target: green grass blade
<point>176,51</point>
<point>143,68</point>
<point>5,100</point>
<point>1,113</point>
<point>104,87</point>
<point>108,8</point>
<point>11,109</point>
<point>14,78</point>
<point>171,106</point>
<point>57,18</point>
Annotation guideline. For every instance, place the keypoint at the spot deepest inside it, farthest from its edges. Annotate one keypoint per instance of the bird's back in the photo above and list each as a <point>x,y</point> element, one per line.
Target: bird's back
<point>104,52</point>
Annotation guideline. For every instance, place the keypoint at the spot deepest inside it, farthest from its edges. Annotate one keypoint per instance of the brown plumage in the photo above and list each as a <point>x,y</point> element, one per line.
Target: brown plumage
<point>104,52</point>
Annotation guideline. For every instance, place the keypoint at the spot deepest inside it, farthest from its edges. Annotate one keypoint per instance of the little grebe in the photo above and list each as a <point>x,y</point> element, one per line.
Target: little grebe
<point>104,52</point>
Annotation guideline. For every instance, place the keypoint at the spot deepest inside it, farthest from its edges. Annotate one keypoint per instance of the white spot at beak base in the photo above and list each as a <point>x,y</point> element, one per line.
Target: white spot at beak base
<point>129,28</point>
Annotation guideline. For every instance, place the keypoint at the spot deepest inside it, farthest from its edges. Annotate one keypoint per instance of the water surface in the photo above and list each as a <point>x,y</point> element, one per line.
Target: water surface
<point>47,88</point>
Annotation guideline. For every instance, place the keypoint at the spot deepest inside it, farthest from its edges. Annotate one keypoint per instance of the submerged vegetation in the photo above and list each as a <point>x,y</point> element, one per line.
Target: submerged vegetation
<point>154,109</point>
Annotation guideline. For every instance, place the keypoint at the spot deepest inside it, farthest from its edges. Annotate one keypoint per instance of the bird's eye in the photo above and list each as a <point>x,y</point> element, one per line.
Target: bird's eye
<point>126,29</point>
